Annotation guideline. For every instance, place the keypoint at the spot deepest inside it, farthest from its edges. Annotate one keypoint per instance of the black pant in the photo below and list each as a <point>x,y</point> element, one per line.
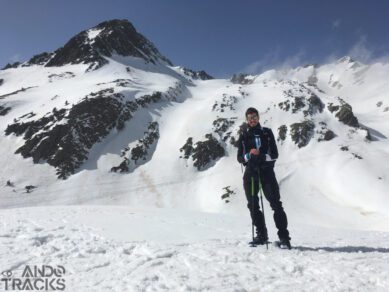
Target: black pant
<point>272,194</point>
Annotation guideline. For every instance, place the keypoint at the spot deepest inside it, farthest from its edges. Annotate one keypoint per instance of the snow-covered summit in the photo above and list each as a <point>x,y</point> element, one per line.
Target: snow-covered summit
<point>113,37</point>
<point>146,153</point>
<point>138,131</point>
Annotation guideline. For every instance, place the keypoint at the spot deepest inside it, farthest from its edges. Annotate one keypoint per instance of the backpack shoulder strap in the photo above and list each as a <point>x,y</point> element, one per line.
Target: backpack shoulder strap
<point>266,130</point>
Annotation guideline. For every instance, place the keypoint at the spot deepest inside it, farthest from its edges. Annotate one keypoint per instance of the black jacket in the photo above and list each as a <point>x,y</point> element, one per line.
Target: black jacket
<point>247,141</point>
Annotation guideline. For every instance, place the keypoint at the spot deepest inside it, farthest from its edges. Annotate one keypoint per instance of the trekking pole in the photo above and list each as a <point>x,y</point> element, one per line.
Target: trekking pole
<point>252,209</point>
<point>263,210</point>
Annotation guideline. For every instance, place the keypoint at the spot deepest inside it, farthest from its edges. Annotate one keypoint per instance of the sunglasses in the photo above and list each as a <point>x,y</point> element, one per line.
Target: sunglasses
<point>252,117</point>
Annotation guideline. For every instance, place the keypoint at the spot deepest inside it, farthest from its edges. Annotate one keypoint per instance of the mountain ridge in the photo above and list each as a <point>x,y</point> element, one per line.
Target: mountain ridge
<point>134,129</point>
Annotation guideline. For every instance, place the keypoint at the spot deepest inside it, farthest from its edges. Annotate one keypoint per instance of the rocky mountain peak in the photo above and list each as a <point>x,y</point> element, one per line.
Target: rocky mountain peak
<point>106,39</point>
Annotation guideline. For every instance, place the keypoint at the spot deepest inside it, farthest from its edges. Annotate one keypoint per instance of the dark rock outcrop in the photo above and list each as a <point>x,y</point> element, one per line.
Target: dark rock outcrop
<point>228,102</point>
<point>10,184</point>
<point>64,75</point>
<point>329,135</point>
<point>333,108</point>
<point>300,97</point>
<point>221,125</point>
<point>202,75</point>
<point>15,92</point>
<point>298,104</point>
<point>25,116</point>
<point>325,134</point>
<point>282,130</point>
<point>187,148</point>
<point>30,188</point>
<point>285,105</point>
<point>227,194</point>
<point>234,139</point>
<point>205,152</point>
<point>65,145</point>
<point>315,105</point>
<point>140,151</point>
<point>122,167</point>
<point>40,59</point>
<point>107,38</point>
<point>346,115</point>
<point>4,110</point>
<point>302,133</point>
<point>147,99</point>
<point>9,65</point>
<point>241,79</point>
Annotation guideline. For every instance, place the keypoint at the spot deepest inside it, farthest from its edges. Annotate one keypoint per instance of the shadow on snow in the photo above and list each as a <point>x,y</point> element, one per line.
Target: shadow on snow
<point>346,249</point>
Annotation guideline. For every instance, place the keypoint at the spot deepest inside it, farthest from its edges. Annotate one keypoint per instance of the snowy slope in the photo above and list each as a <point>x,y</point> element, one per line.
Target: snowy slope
<point>160,221</point>
<point>319,182</point>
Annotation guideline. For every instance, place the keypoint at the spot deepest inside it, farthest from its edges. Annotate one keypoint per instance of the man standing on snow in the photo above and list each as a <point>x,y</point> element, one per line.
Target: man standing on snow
<point>257,150</point>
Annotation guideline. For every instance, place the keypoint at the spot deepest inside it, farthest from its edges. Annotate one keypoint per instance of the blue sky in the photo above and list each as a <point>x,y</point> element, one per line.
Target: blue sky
<point>221,37</point>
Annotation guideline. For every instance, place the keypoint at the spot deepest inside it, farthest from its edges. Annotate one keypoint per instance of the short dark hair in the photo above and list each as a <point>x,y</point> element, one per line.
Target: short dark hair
<point>251,110</point>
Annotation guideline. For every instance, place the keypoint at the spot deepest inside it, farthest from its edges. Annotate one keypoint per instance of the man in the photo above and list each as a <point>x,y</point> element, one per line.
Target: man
<point>258,152</point>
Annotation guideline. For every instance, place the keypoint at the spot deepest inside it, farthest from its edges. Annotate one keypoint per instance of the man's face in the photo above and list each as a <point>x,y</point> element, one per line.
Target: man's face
<point>252,119</point>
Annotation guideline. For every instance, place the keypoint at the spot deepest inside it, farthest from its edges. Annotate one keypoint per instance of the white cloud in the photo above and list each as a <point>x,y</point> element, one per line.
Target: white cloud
<point>360,50</point>
<point>273,60</point>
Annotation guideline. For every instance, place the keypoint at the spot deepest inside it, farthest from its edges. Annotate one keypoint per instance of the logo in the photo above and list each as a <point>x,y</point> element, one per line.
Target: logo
<point>34,278</point>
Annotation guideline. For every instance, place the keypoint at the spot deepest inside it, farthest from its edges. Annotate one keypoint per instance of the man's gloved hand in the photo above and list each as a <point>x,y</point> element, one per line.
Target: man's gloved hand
<point>256,157</point>
<point>254,152</point>
<point>253,159</point>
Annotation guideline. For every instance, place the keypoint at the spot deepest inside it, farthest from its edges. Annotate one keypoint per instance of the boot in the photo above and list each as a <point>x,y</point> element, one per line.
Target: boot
<point>260,239</point>
<point>284,243</point>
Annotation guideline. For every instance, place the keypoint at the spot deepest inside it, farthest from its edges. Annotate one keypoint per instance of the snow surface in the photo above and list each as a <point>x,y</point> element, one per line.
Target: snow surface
<point>164,226</point>
<point>160,249</point>
<point>92,33</point>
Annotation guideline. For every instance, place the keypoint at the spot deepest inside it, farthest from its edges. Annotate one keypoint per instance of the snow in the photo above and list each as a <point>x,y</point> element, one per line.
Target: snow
<point>160,249</point>
<point>93,33</point>
<point>163,226</point>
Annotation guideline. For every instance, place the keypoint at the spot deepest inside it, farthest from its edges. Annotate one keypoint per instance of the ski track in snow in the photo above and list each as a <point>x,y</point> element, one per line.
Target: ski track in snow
<point>215,256</point>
